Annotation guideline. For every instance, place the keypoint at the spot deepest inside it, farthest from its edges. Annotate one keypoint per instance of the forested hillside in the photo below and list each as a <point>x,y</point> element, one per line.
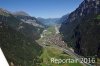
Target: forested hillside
<point>81,29</point>
<point>19,49</point>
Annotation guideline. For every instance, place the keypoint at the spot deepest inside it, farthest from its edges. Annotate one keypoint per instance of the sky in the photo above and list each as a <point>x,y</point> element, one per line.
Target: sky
<point>41,8</point>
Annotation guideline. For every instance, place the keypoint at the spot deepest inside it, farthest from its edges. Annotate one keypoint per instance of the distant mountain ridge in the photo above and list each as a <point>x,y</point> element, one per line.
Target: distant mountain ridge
<point>49,21</point>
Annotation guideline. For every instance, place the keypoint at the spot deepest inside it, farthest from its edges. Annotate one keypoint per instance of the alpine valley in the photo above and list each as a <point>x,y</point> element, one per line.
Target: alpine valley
<point>32,41</point>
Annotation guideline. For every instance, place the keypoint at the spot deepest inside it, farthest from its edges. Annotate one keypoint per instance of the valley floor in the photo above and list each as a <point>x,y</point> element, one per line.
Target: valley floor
<point>54,47</point>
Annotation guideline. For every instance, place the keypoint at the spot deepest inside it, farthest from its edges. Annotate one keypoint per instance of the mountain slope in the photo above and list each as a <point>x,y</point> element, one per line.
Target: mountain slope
<point>29,26</point>
<point>28,29</point>
<point>87,37</point>
<point>23,16</point>
<point>81,27</point>
<point>8,18</point>
<point>17,40</point>
<point>18,50</point>
<point>63,18</point>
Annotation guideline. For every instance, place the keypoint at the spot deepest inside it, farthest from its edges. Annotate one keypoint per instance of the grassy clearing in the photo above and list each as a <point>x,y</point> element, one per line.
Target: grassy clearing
<point>98,17</point>
<point>50,52</point>
<point>50,31</point>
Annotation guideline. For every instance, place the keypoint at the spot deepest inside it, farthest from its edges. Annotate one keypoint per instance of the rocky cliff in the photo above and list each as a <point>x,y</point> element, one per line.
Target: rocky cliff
<point>81,29</point>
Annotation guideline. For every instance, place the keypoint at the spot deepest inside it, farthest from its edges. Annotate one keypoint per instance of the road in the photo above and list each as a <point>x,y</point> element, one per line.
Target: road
<point>67,50</point>
<point>74,55</point>
<point>71,53</point>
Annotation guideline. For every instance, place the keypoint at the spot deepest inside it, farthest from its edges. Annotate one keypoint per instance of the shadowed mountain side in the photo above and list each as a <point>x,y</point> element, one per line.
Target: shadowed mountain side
<point>18,50</point>
<point>81,29</point>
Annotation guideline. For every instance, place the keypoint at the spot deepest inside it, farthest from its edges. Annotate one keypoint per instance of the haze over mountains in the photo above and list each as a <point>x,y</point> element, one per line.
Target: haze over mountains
<point>49,21</point>
<point>43,21</point>
<point>52,21</point>
<point>20,13</point>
